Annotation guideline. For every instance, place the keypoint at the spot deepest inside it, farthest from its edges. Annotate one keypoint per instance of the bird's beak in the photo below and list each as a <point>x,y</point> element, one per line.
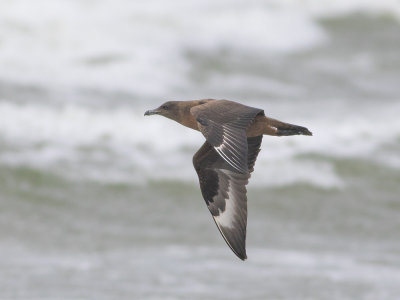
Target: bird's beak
<point>152,112</point>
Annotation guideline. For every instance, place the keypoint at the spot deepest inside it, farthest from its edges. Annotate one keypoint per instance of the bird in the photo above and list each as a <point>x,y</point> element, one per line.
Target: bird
<point>224,163</point>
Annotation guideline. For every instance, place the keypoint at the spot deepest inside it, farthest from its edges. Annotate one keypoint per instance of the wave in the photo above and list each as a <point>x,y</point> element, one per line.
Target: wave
<point>134,46</point>
<point>92,66</point>
<point>120,145</point>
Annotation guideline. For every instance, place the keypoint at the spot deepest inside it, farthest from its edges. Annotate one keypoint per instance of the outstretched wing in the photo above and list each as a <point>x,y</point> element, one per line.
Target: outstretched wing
<point>224,124</point>
<point>224,191</point>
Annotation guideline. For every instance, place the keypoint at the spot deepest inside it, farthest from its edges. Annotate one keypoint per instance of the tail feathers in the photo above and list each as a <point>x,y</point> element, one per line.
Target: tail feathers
<point>283,129</point>
<point>293,130</point>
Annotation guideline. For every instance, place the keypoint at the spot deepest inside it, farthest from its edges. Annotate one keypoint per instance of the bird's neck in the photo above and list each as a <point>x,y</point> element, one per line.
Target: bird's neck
<point>185,117</point>
<point>189,120</point>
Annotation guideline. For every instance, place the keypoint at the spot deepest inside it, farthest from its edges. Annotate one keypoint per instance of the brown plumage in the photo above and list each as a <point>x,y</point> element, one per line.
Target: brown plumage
<point>233,133</point>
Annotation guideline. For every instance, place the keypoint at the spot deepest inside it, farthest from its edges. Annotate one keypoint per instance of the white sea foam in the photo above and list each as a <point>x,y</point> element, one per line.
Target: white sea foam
<point>136,46</point>
<point>121,145</point>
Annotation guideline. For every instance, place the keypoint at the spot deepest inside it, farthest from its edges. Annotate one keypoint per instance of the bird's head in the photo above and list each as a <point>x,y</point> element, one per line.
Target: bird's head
<point>179,111</point>
<point>170,109</point>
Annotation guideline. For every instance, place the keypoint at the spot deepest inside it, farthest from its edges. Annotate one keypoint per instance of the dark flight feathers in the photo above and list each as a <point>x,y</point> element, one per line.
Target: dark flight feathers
<point>224,164</point>
<point>224,191</point>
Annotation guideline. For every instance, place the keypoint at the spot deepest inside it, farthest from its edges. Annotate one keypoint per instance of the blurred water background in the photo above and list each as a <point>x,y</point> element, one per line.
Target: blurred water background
<point>98,202</point>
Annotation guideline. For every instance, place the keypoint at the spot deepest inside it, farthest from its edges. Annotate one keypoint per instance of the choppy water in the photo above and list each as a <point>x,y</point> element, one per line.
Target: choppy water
<point>97,203</point>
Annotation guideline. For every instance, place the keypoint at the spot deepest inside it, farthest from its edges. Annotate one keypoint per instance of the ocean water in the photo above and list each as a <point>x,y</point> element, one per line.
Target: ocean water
<point>99,202</point>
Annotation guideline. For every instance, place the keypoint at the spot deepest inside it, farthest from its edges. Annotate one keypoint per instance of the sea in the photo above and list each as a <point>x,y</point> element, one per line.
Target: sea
<point>99,202</point>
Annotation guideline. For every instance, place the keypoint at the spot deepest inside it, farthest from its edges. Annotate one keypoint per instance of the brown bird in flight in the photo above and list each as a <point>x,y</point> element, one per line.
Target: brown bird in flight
<point>233,133</point>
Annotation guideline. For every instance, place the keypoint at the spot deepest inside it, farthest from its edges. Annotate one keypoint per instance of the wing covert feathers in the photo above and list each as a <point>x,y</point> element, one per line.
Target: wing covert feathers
<point>224,124</point>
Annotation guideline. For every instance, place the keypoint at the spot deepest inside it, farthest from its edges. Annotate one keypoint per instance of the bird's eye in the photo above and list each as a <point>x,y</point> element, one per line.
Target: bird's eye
<point>164,107</point>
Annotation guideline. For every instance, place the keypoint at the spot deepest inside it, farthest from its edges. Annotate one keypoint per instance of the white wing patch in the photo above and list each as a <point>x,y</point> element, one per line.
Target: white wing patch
<point>227,217</point>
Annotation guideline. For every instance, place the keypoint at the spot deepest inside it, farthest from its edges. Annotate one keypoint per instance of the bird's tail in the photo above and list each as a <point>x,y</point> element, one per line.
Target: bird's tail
<point>288,129</point>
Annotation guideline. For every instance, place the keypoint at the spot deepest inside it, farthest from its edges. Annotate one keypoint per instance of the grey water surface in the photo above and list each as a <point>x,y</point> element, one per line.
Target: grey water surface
<point>99,202</point>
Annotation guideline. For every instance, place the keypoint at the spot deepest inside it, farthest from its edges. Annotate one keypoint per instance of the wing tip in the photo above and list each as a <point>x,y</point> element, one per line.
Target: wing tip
<point>238,250</point>
<point>240,253</point>
<point>243,256</point>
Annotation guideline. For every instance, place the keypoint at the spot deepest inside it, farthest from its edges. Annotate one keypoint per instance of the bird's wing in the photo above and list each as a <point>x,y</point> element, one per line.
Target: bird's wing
<point>224,191</point>
<point>224,124</point>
